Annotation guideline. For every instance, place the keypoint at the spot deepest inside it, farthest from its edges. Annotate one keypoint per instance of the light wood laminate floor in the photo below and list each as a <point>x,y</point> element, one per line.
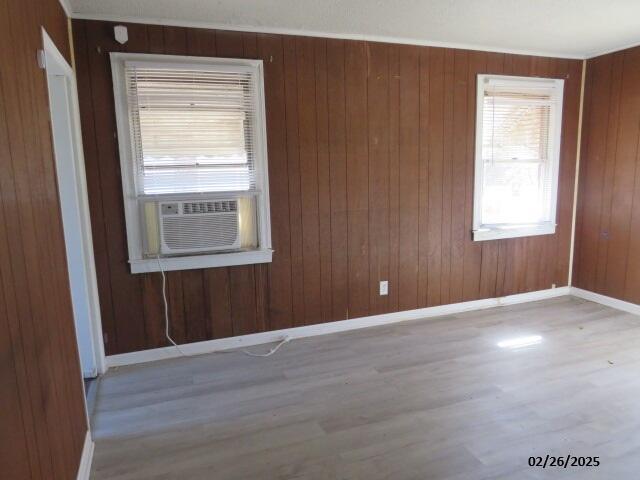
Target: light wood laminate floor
<point>431,399</point>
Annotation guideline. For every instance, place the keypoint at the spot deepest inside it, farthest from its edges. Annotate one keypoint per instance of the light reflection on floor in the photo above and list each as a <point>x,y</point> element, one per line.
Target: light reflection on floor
<point>520,342</point>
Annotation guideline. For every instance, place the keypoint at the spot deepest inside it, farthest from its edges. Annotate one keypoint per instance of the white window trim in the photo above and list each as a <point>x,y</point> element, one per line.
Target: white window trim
<point>138,263</point>
<point>482,232</point>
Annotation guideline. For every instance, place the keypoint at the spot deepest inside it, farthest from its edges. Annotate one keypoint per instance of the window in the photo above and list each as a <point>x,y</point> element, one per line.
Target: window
<point>193,159</point>
<point>517,156</point>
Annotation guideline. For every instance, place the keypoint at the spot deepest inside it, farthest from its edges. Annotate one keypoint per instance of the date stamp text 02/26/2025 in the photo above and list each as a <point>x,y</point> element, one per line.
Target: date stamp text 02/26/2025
<point>564,461</point>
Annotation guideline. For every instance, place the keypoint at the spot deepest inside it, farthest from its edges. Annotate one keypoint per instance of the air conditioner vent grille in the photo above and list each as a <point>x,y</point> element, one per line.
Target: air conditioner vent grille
<point>191,208</point>
<point>199,226</point>
<point>201,232</point>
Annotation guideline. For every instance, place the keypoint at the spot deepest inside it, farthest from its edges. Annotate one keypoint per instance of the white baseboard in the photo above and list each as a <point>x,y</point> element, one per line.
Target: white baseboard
<point>211,346</point>
<point>605,300</point>
<point>84,470</point>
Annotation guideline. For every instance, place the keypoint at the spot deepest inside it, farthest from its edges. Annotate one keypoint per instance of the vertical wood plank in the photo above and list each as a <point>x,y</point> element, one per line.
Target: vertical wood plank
<point>458,174</point>
<point>610,165</point>
<point>175,40</point>
<point>378,132</point>
<point>307,144</point>
<point>153,305</point>
<point>155,37</point>
<point>357,177</point>
<point>324,178</point>
<point>262,288</point>
<point>201,42</point>
<point>195,318</point>
<point>14,455</point>
<point>409,165</point>
<point>423,176</point>
<point>229,44</point>
<point>175,301</point>
<point>338,171</point>
<point>250,45</point>
<point>447,177</point>
<point>293,174</point>
<point>435,174</point>
<point>243,299</point>
<point>394,177</point>
<point>217,288</point>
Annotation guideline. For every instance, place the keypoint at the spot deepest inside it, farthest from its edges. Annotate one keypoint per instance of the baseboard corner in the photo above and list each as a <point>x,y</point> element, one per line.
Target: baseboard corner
<point>84,469</point>
<point>623,305</point>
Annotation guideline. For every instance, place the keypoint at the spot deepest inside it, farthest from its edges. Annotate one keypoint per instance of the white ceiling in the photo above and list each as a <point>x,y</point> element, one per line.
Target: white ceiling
<point>567,28</point>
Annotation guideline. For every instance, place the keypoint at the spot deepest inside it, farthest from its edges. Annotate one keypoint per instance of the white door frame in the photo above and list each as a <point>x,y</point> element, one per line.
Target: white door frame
<point>71,174</point>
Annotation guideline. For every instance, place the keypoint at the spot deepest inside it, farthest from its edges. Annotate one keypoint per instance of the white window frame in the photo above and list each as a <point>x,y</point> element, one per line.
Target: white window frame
<point>137,261</point>
<point>482,232</point>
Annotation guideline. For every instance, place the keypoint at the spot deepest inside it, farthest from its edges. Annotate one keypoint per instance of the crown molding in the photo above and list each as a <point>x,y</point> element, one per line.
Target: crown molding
<point>612,50</point>
<point>312,33</point>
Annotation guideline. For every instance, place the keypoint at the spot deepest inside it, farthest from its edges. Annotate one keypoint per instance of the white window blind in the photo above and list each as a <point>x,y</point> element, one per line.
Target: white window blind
<point>193,128</point>
<point>517,156</point>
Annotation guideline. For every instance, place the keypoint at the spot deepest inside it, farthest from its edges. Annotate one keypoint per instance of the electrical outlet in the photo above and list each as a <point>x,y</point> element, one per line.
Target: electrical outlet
<point>384,287</point>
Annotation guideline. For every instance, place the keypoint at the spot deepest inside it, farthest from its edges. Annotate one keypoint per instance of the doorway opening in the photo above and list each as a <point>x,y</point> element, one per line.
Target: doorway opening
<point>72,189</point>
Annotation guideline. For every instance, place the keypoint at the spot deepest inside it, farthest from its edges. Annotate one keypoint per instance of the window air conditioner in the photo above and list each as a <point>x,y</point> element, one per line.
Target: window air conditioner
<point>198,226</point>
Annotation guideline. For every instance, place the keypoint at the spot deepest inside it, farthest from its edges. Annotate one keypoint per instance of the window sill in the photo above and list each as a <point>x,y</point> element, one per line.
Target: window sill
<point>193,262</point>
<point>497,233</point>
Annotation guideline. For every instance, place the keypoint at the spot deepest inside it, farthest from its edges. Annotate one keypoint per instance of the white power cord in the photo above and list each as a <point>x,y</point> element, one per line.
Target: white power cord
<point>286,339</point>
<point>166,308</point>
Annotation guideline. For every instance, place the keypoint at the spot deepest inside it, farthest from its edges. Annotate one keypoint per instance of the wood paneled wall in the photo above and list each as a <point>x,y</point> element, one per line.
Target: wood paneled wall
<point>42,416</point>
<point>371,151</point>
<point>607,258</point>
